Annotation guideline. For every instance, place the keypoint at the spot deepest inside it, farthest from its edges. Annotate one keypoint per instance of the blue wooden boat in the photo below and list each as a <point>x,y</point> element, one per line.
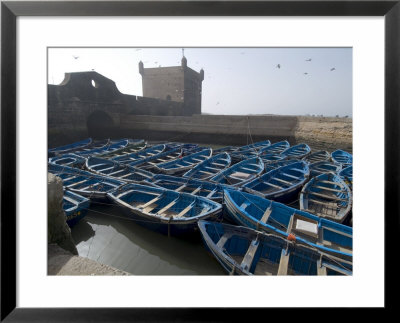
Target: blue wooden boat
<point>162,210</point>
<point>93,146</point>
<point>212,191</point>
<point>150,163</point>
<point>257,146</point>
<point>240,173</point>
<point>327,196</point>
<point>181,165</point>
<point>94,187</point>
<point>273,217</point>
<point>321,155</point>
<point>75,207</point>
<point>248,151</point>
<point>347,175</point>
<point>70,159</point>
<point>244,251</point>
<point>342,157</point>
<point>299,151</point>
<point>226,149</point>
<point>112,146</point>
<point>279,163</point>
<point>140,155</point>
<point>111,168</point>
<point>271,158</point>
<point>281,184</point>
<point>69,148</point>
<point>275,148</point>
<point>323,167</point>
<point>210,167</point>
<point>134,145</point>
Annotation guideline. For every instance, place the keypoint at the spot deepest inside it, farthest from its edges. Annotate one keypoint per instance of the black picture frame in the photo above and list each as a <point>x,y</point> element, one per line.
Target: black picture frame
<point>10,10</point>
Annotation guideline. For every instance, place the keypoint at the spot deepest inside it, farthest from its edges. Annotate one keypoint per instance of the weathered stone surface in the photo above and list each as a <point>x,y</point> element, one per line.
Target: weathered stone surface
<point>57,228</point>
<point>61,262</point>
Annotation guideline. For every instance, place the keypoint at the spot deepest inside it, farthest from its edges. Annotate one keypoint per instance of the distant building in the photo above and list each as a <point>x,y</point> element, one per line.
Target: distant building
<point>174,83</point>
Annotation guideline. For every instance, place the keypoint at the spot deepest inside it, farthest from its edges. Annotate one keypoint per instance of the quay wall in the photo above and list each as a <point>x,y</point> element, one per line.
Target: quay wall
<point>319,132</point>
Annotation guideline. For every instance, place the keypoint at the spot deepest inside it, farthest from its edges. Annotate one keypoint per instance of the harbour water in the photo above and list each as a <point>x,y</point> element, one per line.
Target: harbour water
<point>108,238</point>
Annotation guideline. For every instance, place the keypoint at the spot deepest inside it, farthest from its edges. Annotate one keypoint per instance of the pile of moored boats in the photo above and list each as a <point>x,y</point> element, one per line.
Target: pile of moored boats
<point>261,209</point>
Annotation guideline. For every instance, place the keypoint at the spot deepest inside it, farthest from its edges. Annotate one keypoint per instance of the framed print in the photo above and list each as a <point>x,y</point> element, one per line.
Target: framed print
<point>368,29</point>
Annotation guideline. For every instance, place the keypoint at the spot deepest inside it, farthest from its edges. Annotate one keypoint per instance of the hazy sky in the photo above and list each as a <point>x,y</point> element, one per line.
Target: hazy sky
<point>236,80</point>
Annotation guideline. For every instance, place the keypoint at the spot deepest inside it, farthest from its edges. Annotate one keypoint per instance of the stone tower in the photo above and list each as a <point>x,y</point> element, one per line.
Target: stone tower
<point>175,83</point>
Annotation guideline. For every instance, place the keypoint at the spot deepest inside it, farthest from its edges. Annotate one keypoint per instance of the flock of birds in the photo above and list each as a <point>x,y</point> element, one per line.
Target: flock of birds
<point>307,60</point>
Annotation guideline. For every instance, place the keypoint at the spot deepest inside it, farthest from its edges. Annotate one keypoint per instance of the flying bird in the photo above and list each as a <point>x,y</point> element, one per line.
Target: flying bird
<point>278,66</point>
<point>76,57</point>
<point>308,60</point>
<point>332,69</point>
<point>305,73</point>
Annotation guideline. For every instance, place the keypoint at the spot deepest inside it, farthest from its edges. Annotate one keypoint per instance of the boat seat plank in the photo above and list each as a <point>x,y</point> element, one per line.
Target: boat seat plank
<point>78,183</point>
<point>180,188</point>
<point>211,193</point>
<point>282,181</point>
<point>283,263</point>
<point>288,175</point>
<point>248,169</point>
<point>274,185</point>
<point>67,198</point>
<point>205,172</point>
<point>266,214</point>
<point>196,190</point>
<point>185,210</point>
<point>249,256</point>
<point>168,206</point>
<point>151,201</point>
<point>329,197</point>
<point>221,242</point>
<point>217,164</point>
<point>116,172</point>
<point>197,160</point>
<point>326,182</point>
<point>329,189</point>
<point>237,178</point>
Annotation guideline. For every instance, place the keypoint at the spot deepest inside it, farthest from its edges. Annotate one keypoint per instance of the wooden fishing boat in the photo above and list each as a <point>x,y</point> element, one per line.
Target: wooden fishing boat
<point>69,148</point>
<point>181,165</point>
<point>210,167</point>
<point>75,207</point>
<point>321,155</point>
<point>70,159</point>
<point>342,157</point>
<point>299,151</point>
<point>347,175</point>
<point>150,163</point>
<point>92,186</point>
<point>275,148</point>
<point>212,191</point>
<point>279,163</point>
<point>226,149</point>
<point>273,217</point>
<point>111,147</point>
<point>244,251</point>
<point>240,173</point>
<point>327,196</point>
<point>162,210</point>
<point>281,184</point>
<point>134,145</point>
<point>257,146</point>
<point>93,146</point>
<point>248,151</point>
<point>140,155</point>
<point>111,168</point>
<point>271,158</point>
<point>323,167</point>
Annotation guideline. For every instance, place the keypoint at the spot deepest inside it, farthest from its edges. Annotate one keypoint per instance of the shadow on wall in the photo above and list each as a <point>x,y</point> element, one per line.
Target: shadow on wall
<point>99,125</point>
